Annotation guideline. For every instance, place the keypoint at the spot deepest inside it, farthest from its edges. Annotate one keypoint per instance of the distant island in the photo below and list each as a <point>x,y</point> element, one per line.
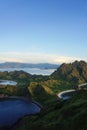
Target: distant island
<point>28,65</point>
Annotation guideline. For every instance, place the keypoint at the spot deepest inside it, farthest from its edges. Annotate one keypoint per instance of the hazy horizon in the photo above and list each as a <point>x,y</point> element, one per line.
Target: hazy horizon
<point>39,62</point>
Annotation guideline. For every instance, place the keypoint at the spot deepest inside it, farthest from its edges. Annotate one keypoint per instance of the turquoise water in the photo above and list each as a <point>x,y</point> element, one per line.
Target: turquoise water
<point>13,109</point>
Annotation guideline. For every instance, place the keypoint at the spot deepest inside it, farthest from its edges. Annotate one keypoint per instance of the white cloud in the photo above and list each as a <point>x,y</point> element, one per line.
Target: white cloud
<point>35,58</point>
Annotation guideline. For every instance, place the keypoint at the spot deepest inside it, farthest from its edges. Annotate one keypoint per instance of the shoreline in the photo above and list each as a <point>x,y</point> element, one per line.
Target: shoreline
<point>5,97</point>
<point>23,99</point>
<point>64,95</point>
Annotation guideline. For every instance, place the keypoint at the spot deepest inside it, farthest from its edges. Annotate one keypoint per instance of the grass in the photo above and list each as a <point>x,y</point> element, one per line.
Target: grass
<point>60,115</point>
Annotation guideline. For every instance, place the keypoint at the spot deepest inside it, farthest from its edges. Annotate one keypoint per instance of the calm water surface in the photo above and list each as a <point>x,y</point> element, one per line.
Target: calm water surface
<point>31,70</point>
<point>13,109</point>
<point>7,82</point>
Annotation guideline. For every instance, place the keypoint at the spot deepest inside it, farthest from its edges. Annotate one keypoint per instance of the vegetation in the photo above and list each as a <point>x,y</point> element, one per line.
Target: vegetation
<point>56,114</point>
<point>41,93</point>
<point>75,72</point>
<point>60,115</point>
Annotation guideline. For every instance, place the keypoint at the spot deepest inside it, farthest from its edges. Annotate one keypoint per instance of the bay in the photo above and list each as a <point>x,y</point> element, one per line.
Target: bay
<point>13,109</point>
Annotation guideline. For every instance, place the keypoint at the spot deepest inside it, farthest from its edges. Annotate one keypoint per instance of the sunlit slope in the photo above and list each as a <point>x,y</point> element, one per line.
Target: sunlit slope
<point>41,93</point>
<point>74,72</point>
<point>60,115</point>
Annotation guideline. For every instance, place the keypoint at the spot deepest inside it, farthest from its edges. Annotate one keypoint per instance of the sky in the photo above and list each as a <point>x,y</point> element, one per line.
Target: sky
<point>38,31</point>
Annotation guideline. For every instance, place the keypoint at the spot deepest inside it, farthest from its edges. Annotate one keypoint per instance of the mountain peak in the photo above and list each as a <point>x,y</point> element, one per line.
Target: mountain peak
<point>75,72</point>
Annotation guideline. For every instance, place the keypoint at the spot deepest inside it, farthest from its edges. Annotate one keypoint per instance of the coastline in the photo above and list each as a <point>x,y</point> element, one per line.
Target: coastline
<point>5,97</point>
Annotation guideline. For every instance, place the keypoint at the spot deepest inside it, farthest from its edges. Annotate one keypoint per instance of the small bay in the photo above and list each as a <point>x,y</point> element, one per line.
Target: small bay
<point>13,109</point>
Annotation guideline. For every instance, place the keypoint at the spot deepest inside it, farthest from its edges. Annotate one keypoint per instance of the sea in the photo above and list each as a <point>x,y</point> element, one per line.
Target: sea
<point>32,71</point>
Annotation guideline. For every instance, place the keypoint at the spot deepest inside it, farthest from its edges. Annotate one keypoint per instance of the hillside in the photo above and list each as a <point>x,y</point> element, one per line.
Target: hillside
<point>73,72</point>
<point>56,114</point>
<point>59,115</point>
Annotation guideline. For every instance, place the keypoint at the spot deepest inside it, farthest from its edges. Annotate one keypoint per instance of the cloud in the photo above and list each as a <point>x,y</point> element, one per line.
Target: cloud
<point>35,58</point>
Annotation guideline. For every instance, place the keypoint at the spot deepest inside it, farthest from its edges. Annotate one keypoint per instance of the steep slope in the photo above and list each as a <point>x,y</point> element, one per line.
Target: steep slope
<point>74,72</point>
<point>41,93</point>
<point>59,115</point>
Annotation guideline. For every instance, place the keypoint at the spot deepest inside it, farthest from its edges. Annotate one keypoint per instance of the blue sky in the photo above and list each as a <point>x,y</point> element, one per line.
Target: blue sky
<point>35,31</point>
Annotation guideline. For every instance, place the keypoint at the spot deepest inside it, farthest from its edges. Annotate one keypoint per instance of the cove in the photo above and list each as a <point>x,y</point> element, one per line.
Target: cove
<point>67,94</point>
<point>13,109</point>
<point>8,82</point>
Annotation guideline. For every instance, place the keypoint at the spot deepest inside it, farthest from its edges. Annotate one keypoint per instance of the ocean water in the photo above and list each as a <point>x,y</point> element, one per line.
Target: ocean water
<point>8,82</point>
<point>31,70</point>
<point>13,109</point>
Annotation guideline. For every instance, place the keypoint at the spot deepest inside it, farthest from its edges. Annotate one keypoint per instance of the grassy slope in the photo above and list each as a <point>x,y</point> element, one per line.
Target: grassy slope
<point>41,93</point>
<point>60,115</point>
<point>56,114</point>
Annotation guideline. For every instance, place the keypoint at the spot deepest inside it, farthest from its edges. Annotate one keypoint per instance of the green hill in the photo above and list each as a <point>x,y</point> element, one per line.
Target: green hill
<point>73,72</point>
<point>41,93</point>
<point>59,115</point>
<point>56,114</point>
